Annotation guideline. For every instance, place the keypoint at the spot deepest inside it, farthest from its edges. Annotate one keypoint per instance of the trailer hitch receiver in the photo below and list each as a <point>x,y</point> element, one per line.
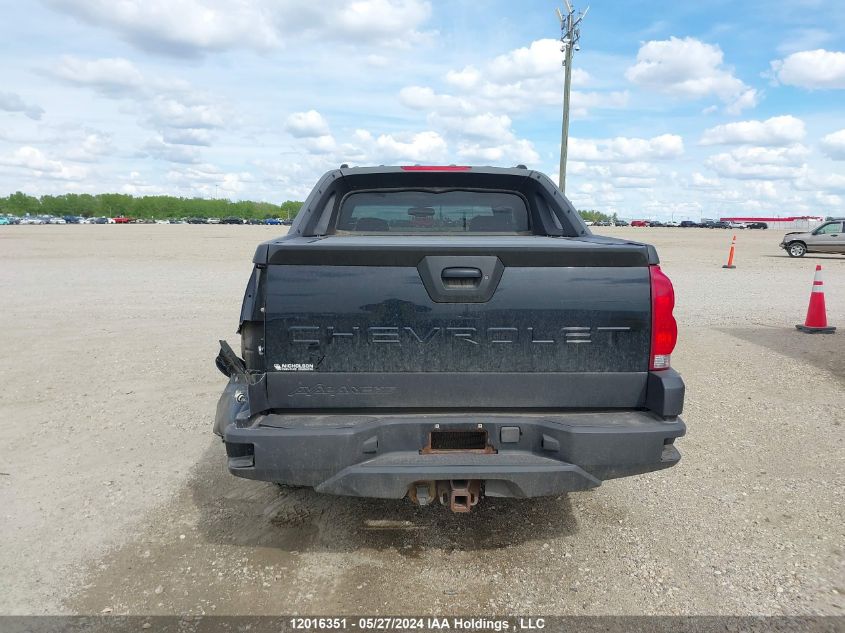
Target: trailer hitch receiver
<point>461,495</point>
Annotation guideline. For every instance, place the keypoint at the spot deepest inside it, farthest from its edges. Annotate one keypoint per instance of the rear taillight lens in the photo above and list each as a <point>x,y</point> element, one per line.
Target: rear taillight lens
<point>664,329</point>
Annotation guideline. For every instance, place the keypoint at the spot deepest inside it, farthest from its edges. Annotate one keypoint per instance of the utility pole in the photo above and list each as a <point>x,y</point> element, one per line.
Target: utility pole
<point>570,33</point>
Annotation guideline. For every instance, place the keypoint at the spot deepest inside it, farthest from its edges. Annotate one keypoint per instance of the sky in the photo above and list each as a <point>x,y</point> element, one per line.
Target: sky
<point>679,109</point>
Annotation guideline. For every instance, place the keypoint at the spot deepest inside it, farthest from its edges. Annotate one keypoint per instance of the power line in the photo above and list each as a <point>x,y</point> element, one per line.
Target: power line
<point>570,34</point>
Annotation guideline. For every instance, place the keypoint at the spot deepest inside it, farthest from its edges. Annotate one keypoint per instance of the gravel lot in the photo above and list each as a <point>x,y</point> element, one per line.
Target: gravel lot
<point>114,493</point>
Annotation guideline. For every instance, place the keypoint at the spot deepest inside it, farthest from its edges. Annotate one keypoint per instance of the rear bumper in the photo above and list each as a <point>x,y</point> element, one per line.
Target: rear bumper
<point>379,455</point>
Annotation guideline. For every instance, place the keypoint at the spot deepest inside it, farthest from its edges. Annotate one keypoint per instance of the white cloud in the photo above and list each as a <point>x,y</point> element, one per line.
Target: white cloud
<point>207,180</point>
<point>181,115</point>
<point>113,76</point>
<point>11,102</point>
<point>690,68</point>
<point>802,39</point>
<point>748,99</point>
<point>510,152</point>
<point>465,79</point>
<point>422,147</point>
<point>485,126</point>
<point>516,82</point>
<point>810,180</point>
<point>391,22</point>
<point>92,148</point>
<point>158,148</point>
<point>425,98</point>
<point>700,181</point>
<point>779,130</point>
<point>171,112</point>
<point>324,144</point>
<point>34,160</point>
<point>815,69</point>
<point>757,163</point>
<point>187,136</point>
<point>313,130</point>
<point>307,124</point>
<point>622,149</point>
<point>541,58</point>
<point>833,145</point>
<point>195,27</point>
<point>633,175</point>
<point>792,155</point>
<point>829,200</point>
<point>485,139</point>
<point>762,190</point>
<point>582,102</point>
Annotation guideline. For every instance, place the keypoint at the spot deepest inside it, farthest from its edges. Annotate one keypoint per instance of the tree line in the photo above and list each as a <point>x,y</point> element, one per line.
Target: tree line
<point>153,207</point>
<point>596,216</point>
<point>163,207</point>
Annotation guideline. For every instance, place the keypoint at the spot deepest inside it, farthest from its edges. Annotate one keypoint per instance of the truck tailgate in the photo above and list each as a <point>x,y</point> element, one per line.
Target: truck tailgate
<point>513,322</point>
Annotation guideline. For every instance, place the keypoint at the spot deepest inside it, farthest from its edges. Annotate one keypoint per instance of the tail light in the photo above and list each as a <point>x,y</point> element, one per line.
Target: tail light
<point>664,329</point>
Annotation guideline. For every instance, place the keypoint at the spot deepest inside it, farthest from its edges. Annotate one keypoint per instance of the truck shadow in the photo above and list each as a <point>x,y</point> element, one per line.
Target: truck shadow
<point>820,350</point>
<point>241,512</point>
<point>831,257</point>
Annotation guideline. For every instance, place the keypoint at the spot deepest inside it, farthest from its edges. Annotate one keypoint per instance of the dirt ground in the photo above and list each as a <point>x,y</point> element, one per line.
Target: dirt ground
<point>114,494</point>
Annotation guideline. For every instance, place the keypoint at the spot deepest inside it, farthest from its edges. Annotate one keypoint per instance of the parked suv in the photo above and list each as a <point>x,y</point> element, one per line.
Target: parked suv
<point>827,238</point>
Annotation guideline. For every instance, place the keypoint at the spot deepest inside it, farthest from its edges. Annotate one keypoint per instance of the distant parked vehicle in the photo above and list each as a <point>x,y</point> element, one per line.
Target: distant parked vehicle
<point>55,220</point>
<point>71,219</point>
<point>4,221</point>
<point>621,223</point>
<point>639,223</point>
<point>232,220</point>
<point>720,225</point>
<point>273,221</point>
<point>655,223</point>
<point>214,220</point>
<point>736,225</point>
<point>122,219</point>
<point>255,221</point>
<point>757,225</point>
<point>827,238</point>
<point>671,223</point>
<point>197,221</point>
<point>100,221</point>
<point>687,224</point>
<point>287,221</point>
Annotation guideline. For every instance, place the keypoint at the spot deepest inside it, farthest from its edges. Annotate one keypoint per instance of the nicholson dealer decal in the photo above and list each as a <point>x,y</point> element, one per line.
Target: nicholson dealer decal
<point>294,366</point>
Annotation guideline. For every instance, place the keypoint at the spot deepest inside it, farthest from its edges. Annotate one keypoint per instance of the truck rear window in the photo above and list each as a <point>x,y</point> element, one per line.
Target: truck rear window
<point>433,212</point>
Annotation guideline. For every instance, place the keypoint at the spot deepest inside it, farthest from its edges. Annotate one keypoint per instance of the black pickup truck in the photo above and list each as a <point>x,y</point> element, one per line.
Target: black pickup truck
<point>447,333</point>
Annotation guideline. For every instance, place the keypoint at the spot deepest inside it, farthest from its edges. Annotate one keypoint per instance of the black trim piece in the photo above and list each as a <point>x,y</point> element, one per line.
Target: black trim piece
<point>370,253</point>
<point>320,390</point>
<point>434,269</point>
<point>665,393</point>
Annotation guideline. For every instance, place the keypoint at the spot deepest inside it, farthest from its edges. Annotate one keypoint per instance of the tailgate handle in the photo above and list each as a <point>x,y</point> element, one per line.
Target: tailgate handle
<point>461,273</point>
<point>460,278</point>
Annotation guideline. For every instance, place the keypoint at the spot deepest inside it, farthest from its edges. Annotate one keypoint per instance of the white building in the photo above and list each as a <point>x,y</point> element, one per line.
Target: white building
<point>782,222</point>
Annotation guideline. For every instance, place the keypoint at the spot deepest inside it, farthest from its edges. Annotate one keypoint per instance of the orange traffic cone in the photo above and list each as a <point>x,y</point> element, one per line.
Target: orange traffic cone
<point>816,321</point>
<point>730,263</point>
